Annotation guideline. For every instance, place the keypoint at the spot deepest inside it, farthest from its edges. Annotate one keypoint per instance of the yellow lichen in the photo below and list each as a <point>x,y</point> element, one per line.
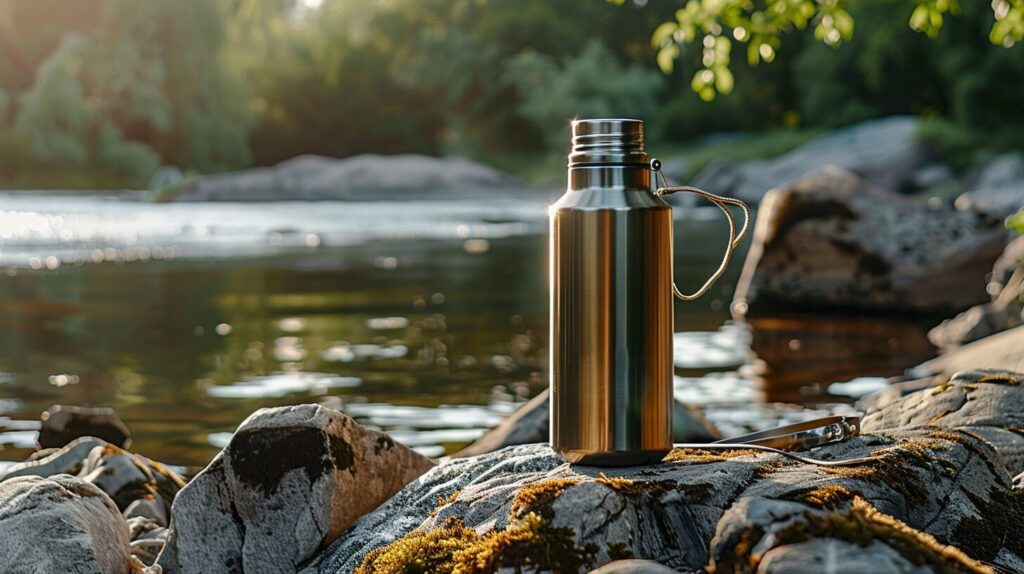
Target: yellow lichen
<point>827,495</point>
<point>1005,378</point>
<point>538,496</point>
<point>701,456</point>
<point>455,548</point>
<point>858,522</point>
<point>766,469</point>
<point>942,414</point>
<point>895,466</point>
<point>614,482</point>
<point>919,547</point>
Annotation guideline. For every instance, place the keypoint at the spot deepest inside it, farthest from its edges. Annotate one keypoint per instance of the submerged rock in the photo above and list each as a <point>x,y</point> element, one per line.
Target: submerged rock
<point>60,524</point>
<point>289,482</point>
<point>530,423</point>
<point>885,152</point>
<point>937,496</point>
<point>833,241</point>
<point>361,178</point>
<point>63,424</point>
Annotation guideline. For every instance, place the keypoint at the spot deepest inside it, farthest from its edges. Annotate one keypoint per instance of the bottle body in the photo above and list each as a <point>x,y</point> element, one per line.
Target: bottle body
<point>611,318</point>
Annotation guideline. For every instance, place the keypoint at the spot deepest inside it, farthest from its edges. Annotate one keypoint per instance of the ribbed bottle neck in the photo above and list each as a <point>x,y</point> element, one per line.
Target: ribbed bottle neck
<point>610,177</point>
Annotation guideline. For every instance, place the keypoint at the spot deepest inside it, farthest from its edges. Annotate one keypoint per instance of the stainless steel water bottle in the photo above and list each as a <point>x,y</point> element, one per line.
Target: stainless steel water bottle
<point>611,301</point>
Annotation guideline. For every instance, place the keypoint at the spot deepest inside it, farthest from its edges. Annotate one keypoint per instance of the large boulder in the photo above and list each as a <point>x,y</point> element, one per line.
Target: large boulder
<point>885,152</point>
<point>60,525</point>
<point>361,178</point>
<point>832,241</point>
<point>289,482</point>
<point>936,496</point>
<point>998,189</point>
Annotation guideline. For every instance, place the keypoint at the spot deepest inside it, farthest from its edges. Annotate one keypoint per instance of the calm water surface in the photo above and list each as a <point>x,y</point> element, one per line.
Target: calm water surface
<point>428,320</point>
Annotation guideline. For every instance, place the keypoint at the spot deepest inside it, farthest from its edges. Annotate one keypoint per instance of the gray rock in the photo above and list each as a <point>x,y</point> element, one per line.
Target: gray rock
<point>150,507</point>
<point>140,528</point>
<point>118,475</point>
<point>1004,311</point>
<point>833,241</point>
<point>360,178</point>
<point>932,175</point>
<point>935,483</point>
<point>60,525</point>
<point>147,539</point>
<point>837,557</point>
<point>530,423</point>
<point>290,481</point>
<point>999,351</point>
<point>633,566</point>
<point>123,476</point>
<point>66,460</point>
<point>63,424</point>
<point>998,189</point>
<point>885,152</point>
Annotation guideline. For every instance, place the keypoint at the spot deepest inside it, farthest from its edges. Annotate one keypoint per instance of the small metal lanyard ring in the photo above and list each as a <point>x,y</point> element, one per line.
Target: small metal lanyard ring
<point>721,203</point>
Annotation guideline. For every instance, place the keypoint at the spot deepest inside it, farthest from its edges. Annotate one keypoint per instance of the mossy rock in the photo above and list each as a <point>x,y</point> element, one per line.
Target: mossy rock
<point>938,497</point>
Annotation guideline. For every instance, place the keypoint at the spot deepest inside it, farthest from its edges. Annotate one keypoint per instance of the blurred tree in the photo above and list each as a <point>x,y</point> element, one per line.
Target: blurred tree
<point>592,84</point>
<point>54,110</point>
<point>130,83</point>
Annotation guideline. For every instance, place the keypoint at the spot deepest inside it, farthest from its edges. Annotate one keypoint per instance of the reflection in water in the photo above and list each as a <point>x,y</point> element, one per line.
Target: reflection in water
<point>800,355</point>
<point>281,384</point>
<point>187,318</point>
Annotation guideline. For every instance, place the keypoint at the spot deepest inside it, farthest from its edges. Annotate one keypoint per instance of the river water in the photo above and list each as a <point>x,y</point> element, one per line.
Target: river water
<point>428,320</point>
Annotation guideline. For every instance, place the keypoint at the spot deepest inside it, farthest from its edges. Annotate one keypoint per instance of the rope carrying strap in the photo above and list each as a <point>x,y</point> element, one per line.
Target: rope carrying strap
<point>721,203</point>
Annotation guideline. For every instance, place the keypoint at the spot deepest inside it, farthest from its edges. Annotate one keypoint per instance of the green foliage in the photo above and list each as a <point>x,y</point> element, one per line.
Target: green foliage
<point>593,84</point>
<point>54,111</point>
<point>133,84</point>
<point>714,24</point>
<point>118,86</point>
<point>116,154</point>
<point>1016,221</point>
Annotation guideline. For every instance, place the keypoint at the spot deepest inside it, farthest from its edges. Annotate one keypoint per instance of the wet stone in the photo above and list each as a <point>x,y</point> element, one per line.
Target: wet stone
<point>62,424</point>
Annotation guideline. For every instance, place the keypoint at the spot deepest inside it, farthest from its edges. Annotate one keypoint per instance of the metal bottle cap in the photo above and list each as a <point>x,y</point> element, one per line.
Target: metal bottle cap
<point>607,142</point>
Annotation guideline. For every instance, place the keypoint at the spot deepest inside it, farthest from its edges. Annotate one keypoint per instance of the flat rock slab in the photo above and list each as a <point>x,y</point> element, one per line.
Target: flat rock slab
<point>290,481</point>
<point>937,496</point>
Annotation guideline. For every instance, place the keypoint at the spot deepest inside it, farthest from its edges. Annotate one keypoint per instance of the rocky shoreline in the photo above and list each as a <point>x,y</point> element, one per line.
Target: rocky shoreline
<point>307,489</point>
